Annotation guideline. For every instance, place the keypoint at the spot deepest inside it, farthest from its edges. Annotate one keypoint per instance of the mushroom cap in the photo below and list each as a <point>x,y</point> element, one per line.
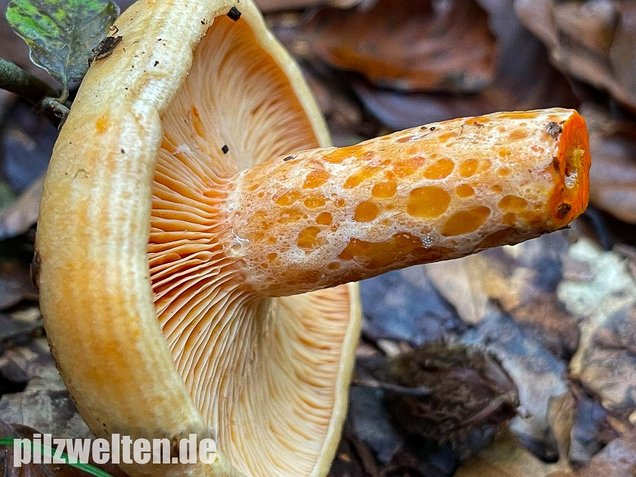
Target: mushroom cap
<point>150,323</point>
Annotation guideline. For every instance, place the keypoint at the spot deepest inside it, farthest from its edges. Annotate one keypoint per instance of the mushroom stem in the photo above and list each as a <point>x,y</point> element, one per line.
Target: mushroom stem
<point>327,216</point>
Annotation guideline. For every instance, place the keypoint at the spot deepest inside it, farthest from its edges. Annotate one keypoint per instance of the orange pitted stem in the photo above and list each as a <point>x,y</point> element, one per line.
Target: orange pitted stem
<point>327,216</point>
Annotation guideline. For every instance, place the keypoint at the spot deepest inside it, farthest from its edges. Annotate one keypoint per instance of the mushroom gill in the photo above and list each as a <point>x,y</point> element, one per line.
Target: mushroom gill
<point>269,375</point>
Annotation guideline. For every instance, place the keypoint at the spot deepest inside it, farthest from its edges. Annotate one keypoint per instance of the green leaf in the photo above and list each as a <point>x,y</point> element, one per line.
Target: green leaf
<point>62,33</point>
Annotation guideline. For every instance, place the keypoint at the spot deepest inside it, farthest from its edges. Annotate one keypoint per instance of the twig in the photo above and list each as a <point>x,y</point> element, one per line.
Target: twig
<point>18,81</point>
<point>35,91</point>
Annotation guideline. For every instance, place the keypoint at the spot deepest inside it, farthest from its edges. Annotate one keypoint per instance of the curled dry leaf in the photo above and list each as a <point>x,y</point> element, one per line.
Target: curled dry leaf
<point>592,41</point>
<point>522,279</point>
<point>613,171</point>
<point>561,414</point>
<point>524,79</point>
<point>506,457</point>
<point>415,45</point>
<point>460,282</point>
<point>601,292</point>
<point>606,363</point>
<point>617,459</point>
<point>45,403</point>
<point>591,429</point>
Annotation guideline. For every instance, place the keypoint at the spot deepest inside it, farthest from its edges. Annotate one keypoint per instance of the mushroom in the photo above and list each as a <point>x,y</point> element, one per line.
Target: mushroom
<point>195,267</point>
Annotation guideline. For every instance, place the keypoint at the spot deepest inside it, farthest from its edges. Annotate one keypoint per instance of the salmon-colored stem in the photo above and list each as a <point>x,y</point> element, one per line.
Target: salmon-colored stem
<point>323,217</point>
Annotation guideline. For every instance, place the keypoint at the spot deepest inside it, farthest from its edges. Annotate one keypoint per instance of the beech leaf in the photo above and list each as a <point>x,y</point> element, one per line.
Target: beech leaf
<point>61,33</point>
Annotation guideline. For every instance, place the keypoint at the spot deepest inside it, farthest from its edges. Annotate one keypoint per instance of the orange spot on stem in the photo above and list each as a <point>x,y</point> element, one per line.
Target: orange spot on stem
<point>465,221</point>
<point>427,202</point>
<point>366,211</point>
<point>439,169</point>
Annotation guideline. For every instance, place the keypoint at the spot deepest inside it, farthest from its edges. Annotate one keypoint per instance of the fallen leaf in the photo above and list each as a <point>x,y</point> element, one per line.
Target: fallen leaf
<point>601,292</point>
<point>45,403</point>
<point>522,279</point>
<point>524,79</point>
<point>460,283</point>
<point>420,458</point>
<point>417,312</point>
<point>13,49</point>
<point>537,374</point>
<point>353,458</point>
<point>617,459</point>
<point>416,45</point>
<point>613,171</point>
<point>344,116</point>
<point>561,414</point>
<point>61,33</point>
<point>371,422</point>
<point>506,457</point>
<point>606,361</point>
<point>591,430</point>
<point>592,41</point>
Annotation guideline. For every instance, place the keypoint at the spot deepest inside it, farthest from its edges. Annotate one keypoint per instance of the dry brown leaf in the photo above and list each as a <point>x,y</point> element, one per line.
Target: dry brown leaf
<point>592,41</point>
<point>601,292</point>
<point>536,372</point>
<point>460,283</point>
<point>524,80</point>
<point>507,458</point>
<point>561,414</point>
<point>343,114</point>
<point>418,314</point>
<point>415,45</point>
<point>617,459</point>
<point>45,403</point>
<point>613,172</point>
<point>522,279</point>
